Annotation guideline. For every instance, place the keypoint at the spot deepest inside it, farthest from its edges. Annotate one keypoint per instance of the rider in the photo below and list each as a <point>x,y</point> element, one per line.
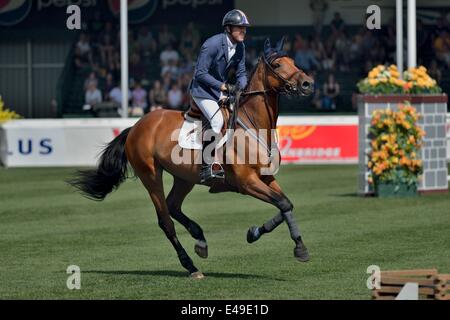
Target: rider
<point>209,86</point>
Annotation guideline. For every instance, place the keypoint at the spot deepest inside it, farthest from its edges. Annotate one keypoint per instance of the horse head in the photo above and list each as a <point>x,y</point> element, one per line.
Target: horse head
<point>283,75</point>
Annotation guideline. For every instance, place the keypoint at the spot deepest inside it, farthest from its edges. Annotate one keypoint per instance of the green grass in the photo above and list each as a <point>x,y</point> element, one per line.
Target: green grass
<point>122,253</point>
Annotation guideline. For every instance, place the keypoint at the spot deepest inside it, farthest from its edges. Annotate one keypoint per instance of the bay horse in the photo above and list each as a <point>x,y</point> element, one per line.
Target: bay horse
<point>147,146</point>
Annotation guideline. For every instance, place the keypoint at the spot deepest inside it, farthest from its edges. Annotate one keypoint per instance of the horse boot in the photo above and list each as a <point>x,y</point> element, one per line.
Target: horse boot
<point>210,169</point>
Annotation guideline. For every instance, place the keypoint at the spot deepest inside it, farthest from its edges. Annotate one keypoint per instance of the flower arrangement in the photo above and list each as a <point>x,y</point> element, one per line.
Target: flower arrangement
<point>386,80</point>
<point>395,140</point>
<point>6,114</point>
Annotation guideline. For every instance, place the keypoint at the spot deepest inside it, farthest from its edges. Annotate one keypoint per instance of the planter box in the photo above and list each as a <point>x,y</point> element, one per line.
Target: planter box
<point>434,151</point>
<point>390,190</point>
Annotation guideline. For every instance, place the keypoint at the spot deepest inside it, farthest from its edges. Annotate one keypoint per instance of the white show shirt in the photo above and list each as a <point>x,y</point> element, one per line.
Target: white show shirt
<point>231,52</point>
<point>231,48</point>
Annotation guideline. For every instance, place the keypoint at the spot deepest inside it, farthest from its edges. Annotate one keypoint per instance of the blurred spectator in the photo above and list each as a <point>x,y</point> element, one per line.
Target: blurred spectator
<point>337,24</point>
<point>187,64</point>
<point>318,8</point>
<point>169,54</point>
<point>108,86</point>
<point>329,59</point>
<point>175,96</point>
<point>305,59</point>
<point>331,91</point>
<point>157,96</point>
<point>167,82</point>
<point>317,48</point>
<point>139,100</point>
<point>190,39</point>
<point>83,54</point>
<point>146,42</point>
<point>342,46</point>
<point>356,49</point>
<point>92,78</point>
<point>107,50</point>
<point>137,68</point>
<point>93,96</point>
<point>171,68</point>
<point>166,37</point>
<point>317,99</point>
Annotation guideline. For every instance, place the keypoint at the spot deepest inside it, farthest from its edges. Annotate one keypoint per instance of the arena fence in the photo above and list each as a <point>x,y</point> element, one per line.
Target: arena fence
<point>77,142</point>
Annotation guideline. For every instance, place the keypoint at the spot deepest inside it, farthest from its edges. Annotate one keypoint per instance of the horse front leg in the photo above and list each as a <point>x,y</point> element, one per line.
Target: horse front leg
<point>271,192</point>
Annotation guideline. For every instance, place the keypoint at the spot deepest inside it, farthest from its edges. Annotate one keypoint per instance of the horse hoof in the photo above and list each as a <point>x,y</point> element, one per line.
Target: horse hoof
<point>197,275</point>
<point>201,249</point>
<point>301,253</point>
<point>251,234</point>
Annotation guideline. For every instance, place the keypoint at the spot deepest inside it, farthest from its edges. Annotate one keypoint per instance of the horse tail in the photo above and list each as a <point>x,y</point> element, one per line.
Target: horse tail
<point>110,173</point>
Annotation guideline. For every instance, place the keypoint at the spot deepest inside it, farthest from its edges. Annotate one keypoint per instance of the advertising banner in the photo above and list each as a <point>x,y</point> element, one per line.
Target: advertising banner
<point>78,142</point>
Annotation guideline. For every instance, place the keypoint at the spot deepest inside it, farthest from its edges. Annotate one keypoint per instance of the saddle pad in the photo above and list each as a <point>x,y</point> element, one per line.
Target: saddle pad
<point>190,136</point>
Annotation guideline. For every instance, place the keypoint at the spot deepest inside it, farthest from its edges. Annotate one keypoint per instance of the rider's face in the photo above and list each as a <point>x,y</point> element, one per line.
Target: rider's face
<point>238,33</point>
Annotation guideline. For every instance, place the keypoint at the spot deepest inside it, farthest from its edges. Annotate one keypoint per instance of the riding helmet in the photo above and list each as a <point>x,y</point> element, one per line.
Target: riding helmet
<point>235,18</point>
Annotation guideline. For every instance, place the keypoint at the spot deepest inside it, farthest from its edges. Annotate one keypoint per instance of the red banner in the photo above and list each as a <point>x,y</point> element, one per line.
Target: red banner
<point>318,143</point>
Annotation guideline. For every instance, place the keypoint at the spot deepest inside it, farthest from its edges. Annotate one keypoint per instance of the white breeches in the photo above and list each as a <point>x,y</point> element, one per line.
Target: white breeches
<point>211,111</point>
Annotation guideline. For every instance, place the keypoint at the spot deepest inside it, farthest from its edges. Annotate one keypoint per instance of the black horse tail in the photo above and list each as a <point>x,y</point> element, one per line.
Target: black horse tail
<point>110,173</point>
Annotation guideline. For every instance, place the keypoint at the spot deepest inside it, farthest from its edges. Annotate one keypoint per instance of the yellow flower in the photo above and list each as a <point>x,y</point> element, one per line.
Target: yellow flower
<point>393,67</point>
<point>373,82</point>
<point>422,68</point>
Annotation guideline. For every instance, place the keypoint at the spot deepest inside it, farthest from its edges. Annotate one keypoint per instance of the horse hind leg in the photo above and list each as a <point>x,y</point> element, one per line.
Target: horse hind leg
<point>152,180</point>
<point>180,190</point>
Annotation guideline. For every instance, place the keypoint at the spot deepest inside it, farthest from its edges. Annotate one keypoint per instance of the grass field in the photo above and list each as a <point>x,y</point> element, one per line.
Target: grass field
<point>122,253</point>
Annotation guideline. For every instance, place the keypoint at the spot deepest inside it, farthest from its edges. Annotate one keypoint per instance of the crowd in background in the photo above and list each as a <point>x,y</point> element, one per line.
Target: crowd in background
<point>330,54</point>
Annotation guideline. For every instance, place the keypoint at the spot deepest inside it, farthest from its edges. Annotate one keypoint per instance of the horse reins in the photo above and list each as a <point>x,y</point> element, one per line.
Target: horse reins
<point>288,88</point>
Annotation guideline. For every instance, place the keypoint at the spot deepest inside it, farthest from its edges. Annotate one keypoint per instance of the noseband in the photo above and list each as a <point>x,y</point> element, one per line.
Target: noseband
<point>288,88</point>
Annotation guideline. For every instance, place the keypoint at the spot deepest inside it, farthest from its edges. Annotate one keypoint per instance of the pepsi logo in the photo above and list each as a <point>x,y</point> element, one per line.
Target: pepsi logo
<point>138,10</point>
<point>14,11</point>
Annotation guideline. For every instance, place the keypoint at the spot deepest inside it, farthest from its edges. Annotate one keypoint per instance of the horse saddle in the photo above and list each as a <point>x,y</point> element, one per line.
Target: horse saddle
<point>190,136</point>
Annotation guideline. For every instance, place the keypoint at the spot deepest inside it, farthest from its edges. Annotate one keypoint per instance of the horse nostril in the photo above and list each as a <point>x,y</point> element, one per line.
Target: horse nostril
<point>306,85</point>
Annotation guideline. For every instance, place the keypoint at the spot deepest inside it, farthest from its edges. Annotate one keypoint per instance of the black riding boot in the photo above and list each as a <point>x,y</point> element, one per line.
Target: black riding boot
<point>210,168</point>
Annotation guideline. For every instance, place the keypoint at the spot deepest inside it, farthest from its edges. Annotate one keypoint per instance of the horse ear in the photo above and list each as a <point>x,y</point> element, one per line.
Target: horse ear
<point>267,48</point>
<point>280,44</point>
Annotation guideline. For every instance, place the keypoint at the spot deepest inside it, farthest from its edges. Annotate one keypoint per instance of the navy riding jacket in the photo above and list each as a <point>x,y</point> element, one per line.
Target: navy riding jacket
<point>212,68</point>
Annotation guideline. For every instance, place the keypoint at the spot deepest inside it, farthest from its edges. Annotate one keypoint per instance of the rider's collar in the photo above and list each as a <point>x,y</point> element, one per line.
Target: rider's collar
<point>230,43</point>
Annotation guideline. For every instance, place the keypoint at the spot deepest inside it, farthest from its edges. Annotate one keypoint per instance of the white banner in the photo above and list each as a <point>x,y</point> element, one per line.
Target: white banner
<point>78,142</point>
<point>41,143</point>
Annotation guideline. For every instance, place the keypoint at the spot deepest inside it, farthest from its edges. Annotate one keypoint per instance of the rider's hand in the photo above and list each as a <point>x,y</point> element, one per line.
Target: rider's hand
<point>231,89</point>
<point>223,88</point>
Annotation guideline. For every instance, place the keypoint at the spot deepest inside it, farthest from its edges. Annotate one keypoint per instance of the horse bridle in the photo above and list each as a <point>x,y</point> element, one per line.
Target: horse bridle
<point>288,88</point>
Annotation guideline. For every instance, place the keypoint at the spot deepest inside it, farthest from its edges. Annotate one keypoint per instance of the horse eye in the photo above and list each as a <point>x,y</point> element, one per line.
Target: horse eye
<point>277,65</point>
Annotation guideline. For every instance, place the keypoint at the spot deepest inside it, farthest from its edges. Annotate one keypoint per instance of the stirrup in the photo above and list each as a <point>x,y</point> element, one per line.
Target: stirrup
<point>214,170</point>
